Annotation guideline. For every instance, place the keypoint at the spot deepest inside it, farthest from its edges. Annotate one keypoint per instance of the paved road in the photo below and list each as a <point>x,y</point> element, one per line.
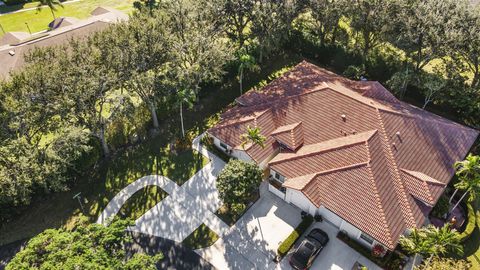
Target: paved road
<point>176,255</point>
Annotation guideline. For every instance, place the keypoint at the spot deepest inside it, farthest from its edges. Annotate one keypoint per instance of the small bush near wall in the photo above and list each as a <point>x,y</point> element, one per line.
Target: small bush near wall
<point>471,219</point>
<point>392,260</point>
<point>288,243</point>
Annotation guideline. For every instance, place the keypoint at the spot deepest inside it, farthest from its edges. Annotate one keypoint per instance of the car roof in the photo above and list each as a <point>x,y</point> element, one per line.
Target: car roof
<point>318,235</point>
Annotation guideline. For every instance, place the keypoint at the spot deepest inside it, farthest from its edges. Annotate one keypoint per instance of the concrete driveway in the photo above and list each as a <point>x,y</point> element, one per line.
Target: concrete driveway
<point>335,256</point>
<point>253,241</point>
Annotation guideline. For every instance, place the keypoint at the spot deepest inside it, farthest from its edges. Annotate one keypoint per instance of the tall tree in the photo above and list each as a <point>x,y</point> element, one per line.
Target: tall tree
<point>51,5</point>
<point>421,28</point>
<point>368,18</point>
<point>140,48</point>
<point>198,53</point>
<point>246,62</point>
<point>94,85</point>
<point>271,24</point>
<point>326,16</point>
<point>91,246</point>
<point>184,97</point>
<point>465,40</point>
<point>432,85</point>
<point>236,16</point>
<point>468,172</point>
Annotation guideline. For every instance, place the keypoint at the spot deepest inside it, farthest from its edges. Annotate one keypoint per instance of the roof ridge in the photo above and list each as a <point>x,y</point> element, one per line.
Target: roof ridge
<point>397,183</point>
<point>379,202</point>
<point>429,179</point>
<point>348,167</point>
<point>335,147</point>
<point>291,127</point>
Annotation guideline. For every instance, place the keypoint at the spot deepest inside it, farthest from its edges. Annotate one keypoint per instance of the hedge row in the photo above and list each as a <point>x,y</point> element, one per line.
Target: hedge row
<point>471,219</point>
<point>288,243</point>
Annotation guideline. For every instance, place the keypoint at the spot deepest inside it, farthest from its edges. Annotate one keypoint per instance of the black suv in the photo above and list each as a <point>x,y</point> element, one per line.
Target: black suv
<point>308,250</point>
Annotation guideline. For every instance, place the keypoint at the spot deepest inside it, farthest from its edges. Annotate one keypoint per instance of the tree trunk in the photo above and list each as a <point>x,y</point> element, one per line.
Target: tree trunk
<point>53,13</point>
<point>260,57</point>
<point>475,79</point>
<point>181,119</point>
<point>453,195</point>
<point>103,141</point>
<point>461,199</point>
<point>153,111</point>
<point>240,80</point>
<point>428,261</point>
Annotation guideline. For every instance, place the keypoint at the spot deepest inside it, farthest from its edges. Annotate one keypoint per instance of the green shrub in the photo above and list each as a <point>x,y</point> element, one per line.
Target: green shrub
<point>288,243</point>
<point>441,208</point>
<point>471,219</point>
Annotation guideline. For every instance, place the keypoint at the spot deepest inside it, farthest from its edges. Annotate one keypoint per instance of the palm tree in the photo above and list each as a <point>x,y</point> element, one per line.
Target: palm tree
<point>253,136</point>
<point>415,243</point>
<point>184,96</point>
<point>468,172</point>
<point>431,241</point>
<point>247,62</point>
<point>51,4</point>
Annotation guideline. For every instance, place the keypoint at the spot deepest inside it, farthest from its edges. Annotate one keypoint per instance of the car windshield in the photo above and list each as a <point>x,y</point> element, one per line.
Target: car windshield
<point>304,252</point>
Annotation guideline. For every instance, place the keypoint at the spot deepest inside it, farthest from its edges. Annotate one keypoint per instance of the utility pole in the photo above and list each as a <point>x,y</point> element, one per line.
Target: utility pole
<point>3,30</point>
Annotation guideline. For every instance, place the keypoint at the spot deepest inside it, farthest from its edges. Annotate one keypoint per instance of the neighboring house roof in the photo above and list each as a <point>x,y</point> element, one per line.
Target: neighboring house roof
<point>13,38</point>
<point>64,30</point>
<point>377,162</point>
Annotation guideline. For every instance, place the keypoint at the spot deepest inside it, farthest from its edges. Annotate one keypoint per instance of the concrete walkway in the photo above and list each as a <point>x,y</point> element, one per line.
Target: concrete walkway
<point>184,210</point>
<point>252,242</point>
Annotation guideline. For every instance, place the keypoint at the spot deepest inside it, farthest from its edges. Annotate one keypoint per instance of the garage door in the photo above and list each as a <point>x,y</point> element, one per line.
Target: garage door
<point>330,217</point>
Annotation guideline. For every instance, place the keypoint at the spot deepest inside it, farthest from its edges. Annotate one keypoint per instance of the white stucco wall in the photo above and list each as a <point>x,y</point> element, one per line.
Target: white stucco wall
<point>301,201</point>
<point>236,153</point>
<point>241,155</point>
<point>298,199</point>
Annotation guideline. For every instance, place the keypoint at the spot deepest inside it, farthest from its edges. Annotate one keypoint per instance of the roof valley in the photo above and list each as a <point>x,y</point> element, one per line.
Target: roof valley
<point>397,180</point>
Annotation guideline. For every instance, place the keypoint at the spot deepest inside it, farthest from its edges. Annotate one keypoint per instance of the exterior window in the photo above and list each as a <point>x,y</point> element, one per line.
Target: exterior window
<point>279,177</point>
<point>224,146</point>
<point>366,238</point>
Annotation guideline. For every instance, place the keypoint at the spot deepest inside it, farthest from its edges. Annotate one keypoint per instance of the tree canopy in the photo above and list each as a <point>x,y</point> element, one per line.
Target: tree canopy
<point>92,246</point>
<point>238,181</point>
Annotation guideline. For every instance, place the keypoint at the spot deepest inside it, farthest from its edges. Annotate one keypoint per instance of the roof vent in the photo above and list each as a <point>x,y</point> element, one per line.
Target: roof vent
<point>12,52</point>
<point>344,117</point>
<point>354,131</point>
<point>398,136</point>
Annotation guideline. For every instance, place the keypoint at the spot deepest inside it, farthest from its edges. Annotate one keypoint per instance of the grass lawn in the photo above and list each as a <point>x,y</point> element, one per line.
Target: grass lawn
<point>141,202</point>
<point>150,157</point>
<point>39,20</point>
<point>200,238</point>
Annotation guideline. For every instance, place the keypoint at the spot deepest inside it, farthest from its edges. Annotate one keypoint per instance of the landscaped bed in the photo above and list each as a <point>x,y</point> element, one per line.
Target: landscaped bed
<point>142,201</point>
<point>200,238</point>
<point>392,260</point>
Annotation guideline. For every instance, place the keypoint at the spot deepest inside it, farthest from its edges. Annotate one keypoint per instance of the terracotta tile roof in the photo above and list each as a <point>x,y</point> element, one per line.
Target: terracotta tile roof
<point>289,135</point>
<point>405,154</point>
<point>422,186</point>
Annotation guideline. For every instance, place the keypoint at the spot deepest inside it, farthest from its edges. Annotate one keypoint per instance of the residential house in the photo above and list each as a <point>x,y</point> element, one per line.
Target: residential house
<point>15,45</point>
<point>371,165</point>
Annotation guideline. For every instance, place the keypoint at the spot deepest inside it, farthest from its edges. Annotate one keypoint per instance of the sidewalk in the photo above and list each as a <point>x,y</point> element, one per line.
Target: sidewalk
<point>186,207</point>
